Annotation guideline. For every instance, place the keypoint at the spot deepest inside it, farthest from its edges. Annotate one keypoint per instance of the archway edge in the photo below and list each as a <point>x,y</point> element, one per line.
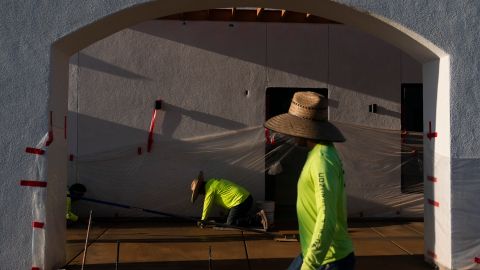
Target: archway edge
<point>118,17</point>
<point>390,31</point>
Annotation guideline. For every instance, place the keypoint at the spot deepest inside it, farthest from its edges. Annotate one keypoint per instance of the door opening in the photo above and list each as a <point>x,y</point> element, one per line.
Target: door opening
<point>412,138</point>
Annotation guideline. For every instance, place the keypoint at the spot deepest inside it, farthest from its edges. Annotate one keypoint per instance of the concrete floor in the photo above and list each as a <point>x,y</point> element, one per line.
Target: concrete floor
<point>168,245</point>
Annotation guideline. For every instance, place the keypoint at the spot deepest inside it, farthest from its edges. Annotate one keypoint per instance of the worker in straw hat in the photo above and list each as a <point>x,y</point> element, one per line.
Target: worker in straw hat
<point>236,199</point>
<point>321,200</point>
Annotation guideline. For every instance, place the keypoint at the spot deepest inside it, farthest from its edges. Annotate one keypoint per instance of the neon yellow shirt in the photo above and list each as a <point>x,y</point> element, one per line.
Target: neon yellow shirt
<point>321,209</point>
<point>223,193</point>
<point>70,215</point>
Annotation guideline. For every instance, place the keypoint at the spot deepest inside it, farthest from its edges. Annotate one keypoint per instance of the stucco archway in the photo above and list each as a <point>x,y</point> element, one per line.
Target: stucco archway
<point>436,95</point>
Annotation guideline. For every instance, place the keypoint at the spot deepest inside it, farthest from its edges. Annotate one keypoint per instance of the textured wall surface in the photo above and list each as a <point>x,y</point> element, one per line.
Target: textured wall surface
<point>28,30</point>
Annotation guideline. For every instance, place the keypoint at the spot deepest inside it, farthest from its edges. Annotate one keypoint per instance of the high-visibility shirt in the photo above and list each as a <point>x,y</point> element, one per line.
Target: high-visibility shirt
<point>223,193</point>
<point>321,209</point>
<point>70,215</point>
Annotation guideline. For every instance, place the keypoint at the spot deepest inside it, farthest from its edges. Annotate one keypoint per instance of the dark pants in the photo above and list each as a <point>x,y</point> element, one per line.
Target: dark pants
<point>240,215</point>
<point>347,263</point>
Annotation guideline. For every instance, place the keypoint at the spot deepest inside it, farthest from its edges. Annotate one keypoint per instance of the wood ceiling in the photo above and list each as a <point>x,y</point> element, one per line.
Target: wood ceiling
<point>248,15</point>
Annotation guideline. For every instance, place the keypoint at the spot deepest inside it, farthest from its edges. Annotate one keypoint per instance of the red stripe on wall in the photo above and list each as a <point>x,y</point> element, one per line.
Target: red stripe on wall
<point>150,133</point>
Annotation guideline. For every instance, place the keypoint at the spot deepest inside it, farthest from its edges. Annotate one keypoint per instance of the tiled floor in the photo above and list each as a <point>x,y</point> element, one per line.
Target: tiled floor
<point>167,245</point>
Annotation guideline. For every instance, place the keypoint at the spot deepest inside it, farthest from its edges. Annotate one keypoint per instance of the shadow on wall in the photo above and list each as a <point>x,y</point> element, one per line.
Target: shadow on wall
<point>343,64</point>
<point>96,64</point>
<point>174,115</point>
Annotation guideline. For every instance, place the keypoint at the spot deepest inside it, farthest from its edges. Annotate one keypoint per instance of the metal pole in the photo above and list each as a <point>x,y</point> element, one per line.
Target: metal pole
<point>209,257</point>
<point>118,255</point>
<point>86,239</point>
<point>155,212</point>
<point>246,252</point>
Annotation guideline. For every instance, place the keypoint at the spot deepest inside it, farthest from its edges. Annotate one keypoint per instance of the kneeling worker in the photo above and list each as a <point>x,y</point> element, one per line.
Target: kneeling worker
<point>230,196</point>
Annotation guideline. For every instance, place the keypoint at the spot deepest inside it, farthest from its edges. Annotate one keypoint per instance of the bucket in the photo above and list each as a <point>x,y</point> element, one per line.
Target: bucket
<point>269,209</point>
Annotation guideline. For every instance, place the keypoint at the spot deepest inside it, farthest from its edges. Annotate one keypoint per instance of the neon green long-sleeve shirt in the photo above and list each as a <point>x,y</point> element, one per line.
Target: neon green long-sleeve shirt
<point>321,209</point>
<point>223,193</point>
<point>70,215</point>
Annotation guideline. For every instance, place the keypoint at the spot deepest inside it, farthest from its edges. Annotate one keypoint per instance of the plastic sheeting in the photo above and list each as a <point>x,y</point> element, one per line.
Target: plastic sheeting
<point>37,171</point>
<point>160,180</point>
<point>373,159</point>
<point>465,226</point>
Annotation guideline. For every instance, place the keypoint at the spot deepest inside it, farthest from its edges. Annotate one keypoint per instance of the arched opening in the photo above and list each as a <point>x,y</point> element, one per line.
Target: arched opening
<point>435,65</point>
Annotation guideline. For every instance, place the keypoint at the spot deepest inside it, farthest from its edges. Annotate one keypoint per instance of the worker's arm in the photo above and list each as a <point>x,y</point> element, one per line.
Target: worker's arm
<point>207,203</point>
<point>324,179</point>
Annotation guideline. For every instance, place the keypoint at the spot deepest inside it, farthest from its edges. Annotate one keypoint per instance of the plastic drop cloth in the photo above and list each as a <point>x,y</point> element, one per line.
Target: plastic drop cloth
<point>39,196</point>
<point>161,179</point>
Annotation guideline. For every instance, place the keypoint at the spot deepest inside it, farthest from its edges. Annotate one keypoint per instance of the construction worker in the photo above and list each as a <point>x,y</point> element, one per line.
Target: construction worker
<point>75,192</point>
<point>321,200</point>
<point>232,197</point>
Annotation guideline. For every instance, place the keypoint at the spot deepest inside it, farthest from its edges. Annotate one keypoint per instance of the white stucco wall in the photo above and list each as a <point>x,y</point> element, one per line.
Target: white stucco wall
<point>31,83</point>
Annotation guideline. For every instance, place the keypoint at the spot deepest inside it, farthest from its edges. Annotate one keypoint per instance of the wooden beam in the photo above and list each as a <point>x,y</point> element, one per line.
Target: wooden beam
<point>248,15</point>
<point>271,16</point>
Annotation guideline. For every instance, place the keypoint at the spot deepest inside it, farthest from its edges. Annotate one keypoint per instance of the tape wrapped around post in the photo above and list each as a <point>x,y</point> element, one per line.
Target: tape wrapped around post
<point>33,183</point>
<point>34,151</point>
<point>434,203</point>
<point>38,224</point>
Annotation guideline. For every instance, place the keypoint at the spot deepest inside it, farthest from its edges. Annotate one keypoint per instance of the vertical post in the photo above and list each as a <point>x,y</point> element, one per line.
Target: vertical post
<point>246,251</point>
<point>118,255</point>
<point>86,240</point>
<point>209,257</point>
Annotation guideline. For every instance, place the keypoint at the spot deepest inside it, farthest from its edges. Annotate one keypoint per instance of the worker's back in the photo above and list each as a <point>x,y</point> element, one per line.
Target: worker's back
<point>226,193</point>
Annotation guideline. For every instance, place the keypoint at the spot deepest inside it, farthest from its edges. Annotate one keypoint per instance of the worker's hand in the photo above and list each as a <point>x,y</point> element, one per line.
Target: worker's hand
<point>200,224</point>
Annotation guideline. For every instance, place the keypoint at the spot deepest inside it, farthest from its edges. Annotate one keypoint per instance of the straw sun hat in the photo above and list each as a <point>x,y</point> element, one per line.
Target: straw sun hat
<point>195,186</point>
<point>306,118</point>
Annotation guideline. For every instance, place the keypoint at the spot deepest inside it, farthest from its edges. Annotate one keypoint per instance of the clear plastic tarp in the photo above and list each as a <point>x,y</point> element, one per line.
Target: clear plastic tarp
<point>373,160</point>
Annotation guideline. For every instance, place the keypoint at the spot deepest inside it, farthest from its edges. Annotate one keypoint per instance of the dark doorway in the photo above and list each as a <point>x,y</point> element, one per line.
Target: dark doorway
<point>281,187</point>
<point>412,138</point>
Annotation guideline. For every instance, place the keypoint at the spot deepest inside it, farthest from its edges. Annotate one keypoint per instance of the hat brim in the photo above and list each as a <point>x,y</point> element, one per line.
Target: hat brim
<point>194,195</point>
<point>196,189</point>
<point>299,127</point>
